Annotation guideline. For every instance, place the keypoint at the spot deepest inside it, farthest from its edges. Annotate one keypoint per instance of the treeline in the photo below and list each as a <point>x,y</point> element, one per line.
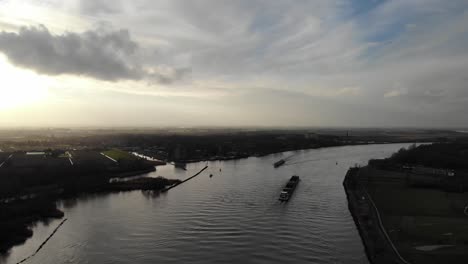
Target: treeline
<point>202,146</point>
<point>438,155</point>
<point>16,218</point>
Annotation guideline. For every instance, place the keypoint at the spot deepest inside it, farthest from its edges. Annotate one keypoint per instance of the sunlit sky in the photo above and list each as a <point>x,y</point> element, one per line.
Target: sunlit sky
<point>234,63</point>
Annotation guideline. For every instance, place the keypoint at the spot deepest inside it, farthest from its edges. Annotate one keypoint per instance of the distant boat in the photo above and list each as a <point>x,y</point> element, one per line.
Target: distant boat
<point>279,163</point>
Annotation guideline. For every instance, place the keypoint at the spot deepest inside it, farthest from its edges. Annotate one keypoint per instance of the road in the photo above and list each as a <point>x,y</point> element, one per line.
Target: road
<point>9,157</point>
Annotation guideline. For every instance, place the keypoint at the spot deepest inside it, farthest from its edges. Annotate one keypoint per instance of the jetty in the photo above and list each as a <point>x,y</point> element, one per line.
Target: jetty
<point>188,179</point>
<point>43,243</point>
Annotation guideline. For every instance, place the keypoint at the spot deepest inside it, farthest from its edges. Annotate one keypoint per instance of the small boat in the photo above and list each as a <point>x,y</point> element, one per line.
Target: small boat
<point>279,163</point>
<point>288,190</point>
<point>180,165</point>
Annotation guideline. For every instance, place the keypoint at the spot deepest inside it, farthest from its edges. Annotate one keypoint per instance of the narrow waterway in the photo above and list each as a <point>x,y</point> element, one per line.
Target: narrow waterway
<point>232,217</point>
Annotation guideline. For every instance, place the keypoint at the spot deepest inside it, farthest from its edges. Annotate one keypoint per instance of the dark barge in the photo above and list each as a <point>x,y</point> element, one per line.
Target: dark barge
<point>288,190</point>
<point>279,163</point>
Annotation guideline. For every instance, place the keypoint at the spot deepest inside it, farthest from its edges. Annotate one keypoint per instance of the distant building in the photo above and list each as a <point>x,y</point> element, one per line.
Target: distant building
<point>444,179</point>
<point>432,171</point>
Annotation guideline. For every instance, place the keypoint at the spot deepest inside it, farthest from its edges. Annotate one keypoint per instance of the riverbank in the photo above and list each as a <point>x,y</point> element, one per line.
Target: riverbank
<point>299,148</point>
<point>144,184</point>
<point>132,173</point>
<point>16,217</point>
<point>379,248</point>
<point>403,217</point>
<point>419,198</point>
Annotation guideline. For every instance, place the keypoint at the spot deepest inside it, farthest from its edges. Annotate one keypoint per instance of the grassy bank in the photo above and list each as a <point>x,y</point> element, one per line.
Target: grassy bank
<point>379,249</point>
<point>426,225</point>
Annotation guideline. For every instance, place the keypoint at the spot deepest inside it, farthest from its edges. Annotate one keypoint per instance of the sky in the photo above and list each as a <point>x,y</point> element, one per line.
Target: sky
<point>150,63</point>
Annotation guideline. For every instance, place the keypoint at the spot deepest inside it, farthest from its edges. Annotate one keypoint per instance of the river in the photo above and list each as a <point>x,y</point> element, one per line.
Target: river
<point>232,217</point>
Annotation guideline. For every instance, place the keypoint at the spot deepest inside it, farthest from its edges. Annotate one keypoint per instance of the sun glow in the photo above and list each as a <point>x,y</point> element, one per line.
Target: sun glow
<point>20,87</point>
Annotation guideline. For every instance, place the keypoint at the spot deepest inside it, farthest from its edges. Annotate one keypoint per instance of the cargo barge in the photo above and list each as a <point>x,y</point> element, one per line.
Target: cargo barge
<point>288,190</point>
<point>279,163</point>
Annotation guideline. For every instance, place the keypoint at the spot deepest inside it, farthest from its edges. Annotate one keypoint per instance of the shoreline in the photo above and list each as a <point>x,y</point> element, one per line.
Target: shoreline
<point>20,215</point>
<point>298,149</point>
<point>132,173</point>
<point>378,248</point>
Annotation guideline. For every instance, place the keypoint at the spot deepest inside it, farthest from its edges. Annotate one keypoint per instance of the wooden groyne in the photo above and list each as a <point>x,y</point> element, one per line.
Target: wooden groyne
<point>378,246</point>
<point>189,178</point>
<point>43,243</point>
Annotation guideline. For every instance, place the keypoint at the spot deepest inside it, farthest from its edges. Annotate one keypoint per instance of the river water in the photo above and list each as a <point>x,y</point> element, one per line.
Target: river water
<point>233,217</point>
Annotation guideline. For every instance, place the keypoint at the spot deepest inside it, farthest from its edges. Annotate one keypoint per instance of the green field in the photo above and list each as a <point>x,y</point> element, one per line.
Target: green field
<point>118,154</point>
<point>417,219</point>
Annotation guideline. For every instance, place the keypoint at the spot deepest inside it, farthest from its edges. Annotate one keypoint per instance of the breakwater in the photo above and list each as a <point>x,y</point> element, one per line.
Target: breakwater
<point>189,178</point>
<point>43,243</point>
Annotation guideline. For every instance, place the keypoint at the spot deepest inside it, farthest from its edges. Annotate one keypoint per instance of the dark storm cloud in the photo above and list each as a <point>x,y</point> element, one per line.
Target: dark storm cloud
<point>103,55</point>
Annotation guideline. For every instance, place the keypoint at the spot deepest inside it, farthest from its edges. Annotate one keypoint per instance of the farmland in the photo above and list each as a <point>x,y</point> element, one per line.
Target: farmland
<point>420,220</point>
<point>427,224</point>
<point>117,154</point>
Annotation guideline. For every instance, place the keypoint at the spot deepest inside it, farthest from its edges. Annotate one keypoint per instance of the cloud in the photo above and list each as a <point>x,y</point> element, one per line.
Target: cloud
<point>95,7</point>
<point>399,56</point>
<point>398,91</point>
<point>170,74</point>
<point>100,54</point>
<point>105,56</point>
<point>394,93</point>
